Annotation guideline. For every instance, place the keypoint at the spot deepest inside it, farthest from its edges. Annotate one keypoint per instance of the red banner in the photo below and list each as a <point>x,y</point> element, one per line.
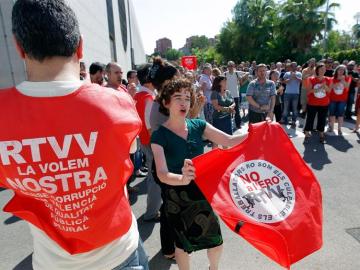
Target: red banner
<point>189,62</point>
<point>264,191</point>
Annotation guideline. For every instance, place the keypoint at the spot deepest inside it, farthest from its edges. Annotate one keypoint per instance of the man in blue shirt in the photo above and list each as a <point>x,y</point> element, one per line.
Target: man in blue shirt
<point>292,79</point>
<point>261,97</point>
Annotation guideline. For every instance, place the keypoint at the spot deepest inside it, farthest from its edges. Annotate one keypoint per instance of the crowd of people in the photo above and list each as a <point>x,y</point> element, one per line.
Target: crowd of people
<point>174,111</point>
<point>323,92</point>
<point>181,109</point>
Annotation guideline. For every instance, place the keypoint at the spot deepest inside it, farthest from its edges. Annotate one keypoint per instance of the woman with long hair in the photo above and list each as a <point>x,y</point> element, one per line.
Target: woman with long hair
<point>224,105</point>
<point>338,97</point>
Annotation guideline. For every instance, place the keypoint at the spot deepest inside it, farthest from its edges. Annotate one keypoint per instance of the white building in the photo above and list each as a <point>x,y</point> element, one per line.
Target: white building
<point>109,29</point>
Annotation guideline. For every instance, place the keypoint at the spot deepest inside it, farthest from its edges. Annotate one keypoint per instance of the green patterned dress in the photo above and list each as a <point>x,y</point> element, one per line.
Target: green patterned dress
<point>195,224</point>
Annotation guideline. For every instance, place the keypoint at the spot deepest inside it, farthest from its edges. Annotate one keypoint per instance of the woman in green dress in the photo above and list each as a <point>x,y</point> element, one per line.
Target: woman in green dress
<point>178,140</point>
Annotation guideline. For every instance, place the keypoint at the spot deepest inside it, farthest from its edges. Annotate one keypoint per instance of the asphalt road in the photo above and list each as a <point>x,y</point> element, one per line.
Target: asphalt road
<point>337,167</point>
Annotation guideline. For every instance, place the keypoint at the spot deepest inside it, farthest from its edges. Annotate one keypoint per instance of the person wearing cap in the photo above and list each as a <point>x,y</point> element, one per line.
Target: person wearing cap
<point>97,73</point>
<point>352,89</point>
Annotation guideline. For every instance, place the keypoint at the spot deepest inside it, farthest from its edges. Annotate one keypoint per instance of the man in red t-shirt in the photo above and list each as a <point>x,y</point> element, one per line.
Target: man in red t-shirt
<point>64,149</point>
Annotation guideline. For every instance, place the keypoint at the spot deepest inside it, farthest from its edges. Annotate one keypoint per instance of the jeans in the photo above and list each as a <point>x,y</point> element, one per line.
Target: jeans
<point>290,100</point>
<point>208,112</point>
<point>153,189</point>
<point>337,108</point>
<point>349,104</point>
<point>136,261</point>
<point>237,111</point>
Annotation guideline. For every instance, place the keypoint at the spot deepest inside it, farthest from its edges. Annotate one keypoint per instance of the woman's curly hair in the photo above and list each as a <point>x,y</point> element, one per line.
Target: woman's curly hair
<point>169,88</point>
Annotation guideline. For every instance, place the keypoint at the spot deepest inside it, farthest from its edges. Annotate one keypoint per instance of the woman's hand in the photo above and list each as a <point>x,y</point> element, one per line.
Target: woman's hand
<point>188,172</point>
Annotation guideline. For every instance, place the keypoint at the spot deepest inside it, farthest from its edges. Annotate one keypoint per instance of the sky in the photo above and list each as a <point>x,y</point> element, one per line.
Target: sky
<point>178,20</point>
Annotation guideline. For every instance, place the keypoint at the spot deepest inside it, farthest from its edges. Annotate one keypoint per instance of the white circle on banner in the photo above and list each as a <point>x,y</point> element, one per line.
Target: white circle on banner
<point>339,89</point>
<point>262,191</point>
<point>319,91</point>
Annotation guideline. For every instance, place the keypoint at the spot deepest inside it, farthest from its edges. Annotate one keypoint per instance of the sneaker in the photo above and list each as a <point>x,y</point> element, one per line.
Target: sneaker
<point>140,173</point>
<point>322,139</point>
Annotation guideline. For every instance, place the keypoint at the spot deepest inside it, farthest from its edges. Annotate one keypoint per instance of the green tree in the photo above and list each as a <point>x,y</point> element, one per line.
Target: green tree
<point>172,54</point>
<point>269,30</point>
<point>248,34</point>
<point>339,41</point>
<point>200,42</point>
<point>356,31</point>
<point>303,22</point>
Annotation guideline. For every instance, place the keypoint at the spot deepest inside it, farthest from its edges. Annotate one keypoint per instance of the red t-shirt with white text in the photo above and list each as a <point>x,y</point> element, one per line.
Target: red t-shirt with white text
<point>67,160</point>
<point>339,92</point>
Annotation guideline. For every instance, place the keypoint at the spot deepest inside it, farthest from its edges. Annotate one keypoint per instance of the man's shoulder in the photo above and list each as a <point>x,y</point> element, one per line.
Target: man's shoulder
<point>106,93</point>
<point>6,91</point>
<point>270,82</point>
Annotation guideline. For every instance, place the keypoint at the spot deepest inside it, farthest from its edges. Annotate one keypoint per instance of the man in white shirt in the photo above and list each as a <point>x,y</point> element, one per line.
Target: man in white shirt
<point>233,79</point>
<point>52,52</point>
<point>205,83</point>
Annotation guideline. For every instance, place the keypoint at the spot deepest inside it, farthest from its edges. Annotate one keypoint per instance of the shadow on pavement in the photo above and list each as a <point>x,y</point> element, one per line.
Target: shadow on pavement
<point>141,186</point>
<point>315,154</point>
<point>339,143</point>
<point>12,220</point>
<point>25,264</point>
<point>159,262</point>
<point>145,228</point>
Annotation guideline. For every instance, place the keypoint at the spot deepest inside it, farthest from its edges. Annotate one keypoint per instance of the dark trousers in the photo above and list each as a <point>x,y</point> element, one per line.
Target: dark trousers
<point>349,104</point>
<point>278,112</point>
<point>237,112</point>
<point>255,117</point>
<point>167,237</point>
<point>312,111</point>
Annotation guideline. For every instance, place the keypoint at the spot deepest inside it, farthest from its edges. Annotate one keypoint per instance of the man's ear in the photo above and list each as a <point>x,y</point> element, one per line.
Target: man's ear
<point>19,49</point>
<point>79,50</point>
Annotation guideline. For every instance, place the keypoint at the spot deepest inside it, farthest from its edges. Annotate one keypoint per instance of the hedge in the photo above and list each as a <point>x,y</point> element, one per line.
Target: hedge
<point>353,54</point>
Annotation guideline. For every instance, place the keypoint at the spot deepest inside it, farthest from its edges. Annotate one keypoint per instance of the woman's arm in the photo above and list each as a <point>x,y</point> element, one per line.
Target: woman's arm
<point>197,107</point>
<point>167,177</point>
<point>217,136</point>
<point>217,107</point>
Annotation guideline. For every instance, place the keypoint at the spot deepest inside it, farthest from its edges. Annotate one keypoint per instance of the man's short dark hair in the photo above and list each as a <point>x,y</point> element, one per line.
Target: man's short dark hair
<point>129,73</point>
<point>45,28</point>
<point>95,67</point>
<point>143,73</point>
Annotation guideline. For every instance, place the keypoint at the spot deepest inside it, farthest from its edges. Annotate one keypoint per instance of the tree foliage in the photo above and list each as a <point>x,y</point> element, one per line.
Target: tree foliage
<point>199,42</point>
<point>172,54</point>
<point>268,30</point>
